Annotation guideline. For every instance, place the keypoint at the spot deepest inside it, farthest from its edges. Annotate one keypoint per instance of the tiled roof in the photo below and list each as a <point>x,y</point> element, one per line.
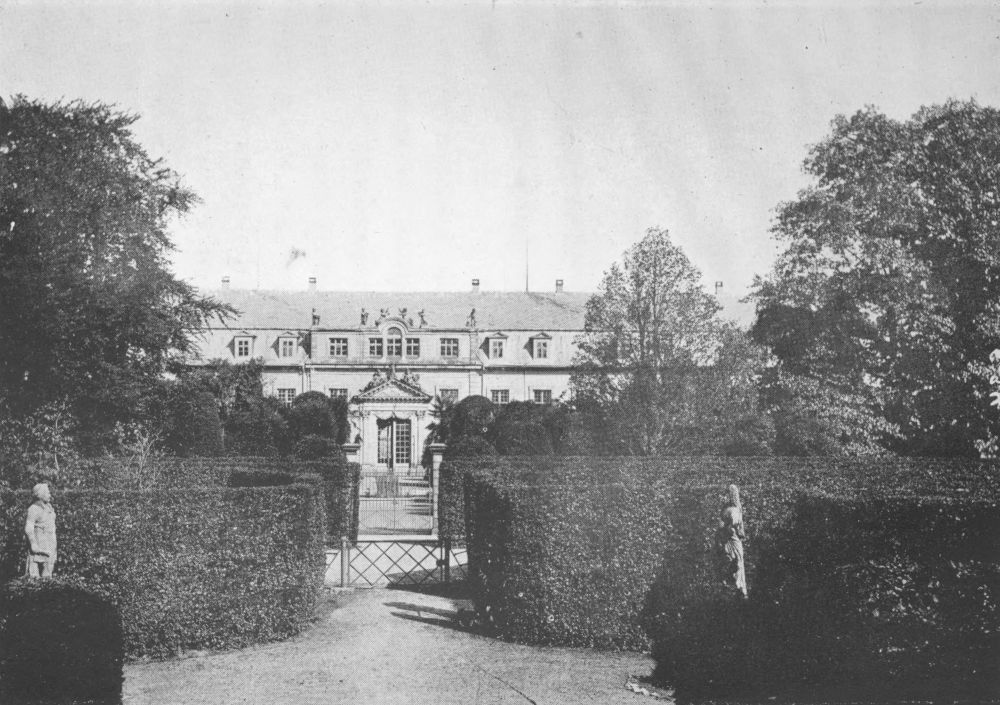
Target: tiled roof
<point>342,309</point>
<point>497,310</point>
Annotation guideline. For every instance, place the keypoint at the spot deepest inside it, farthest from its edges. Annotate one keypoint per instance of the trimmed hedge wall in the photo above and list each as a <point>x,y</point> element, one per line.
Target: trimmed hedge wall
<point>60,641</point>
<point>194,568</point>
<point>340,479</point>
<point>621,552</point>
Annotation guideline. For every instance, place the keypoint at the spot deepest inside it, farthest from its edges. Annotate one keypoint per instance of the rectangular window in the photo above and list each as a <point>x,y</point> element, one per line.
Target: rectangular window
<point>338,392</point>
<point>243,347</point>
<point>394,347</point>
<point>413,347</point>
<point>496,347</point>
<point>338,347</point>
<point>543,396</point>
<point>500,396</point>
<point>286,347</point>
<point>541,349</point>
<point>285,396</point>
<point>375,347</point>
<point>448,395</point>
<point>449,347</point>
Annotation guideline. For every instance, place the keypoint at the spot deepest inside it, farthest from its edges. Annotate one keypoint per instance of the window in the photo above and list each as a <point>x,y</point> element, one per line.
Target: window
<point>243,347</point>
<point>496,347</point>
<point>449,347</point>
<point>541,349</point>
<point>413,347</point>
<point>375,347</point>
<point>500,396</point>
<point>285,396</point>
<point>286,347</point>
<point>448,395</point>
<point>543,396</point>
<point>338,347</point>
<point>394,343</point>
<point>338,392</point>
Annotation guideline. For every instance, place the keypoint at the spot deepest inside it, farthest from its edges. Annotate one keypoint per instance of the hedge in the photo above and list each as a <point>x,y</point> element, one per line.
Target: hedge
<point>60,641</point>
<point>340,479</point>
<point>610,552</point>
<point>192,568</point>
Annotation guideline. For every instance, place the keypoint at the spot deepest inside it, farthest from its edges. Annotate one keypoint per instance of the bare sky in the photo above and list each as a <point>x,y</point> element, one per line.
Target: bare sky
<point>415,146</point>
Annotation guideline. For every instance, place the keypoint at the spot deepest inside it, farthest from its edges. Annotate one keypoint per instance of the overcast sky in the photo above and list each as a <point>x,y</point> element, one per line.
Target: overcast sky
<point>416,146</point>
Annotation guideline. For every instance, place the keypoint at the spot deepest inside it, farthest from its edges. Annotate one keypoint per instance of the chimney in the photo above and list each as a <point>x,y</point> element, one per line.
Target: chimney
<point>559,286</point>
<point>475,286</point>
<point>718,288</point>
<point>312,283</point>
<point>225,282</point>
<point>315,318</point>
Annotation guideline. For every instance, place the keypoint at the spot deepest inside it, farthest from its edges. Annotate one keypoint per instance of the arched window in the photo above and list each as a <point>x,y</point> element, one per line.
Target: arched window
<point>394,342</point>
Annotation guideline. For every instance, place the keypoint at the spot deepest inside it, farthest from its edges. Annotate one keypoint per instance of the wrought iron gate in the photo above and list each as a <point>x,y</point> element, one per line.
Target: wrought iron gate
<point>399,562</point>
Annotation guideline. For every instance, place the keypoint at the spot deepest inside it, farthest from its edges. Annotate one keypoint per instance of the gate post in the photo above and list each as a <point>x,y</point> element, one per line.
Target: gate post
<point>447,558</point>
<point>345,561</point>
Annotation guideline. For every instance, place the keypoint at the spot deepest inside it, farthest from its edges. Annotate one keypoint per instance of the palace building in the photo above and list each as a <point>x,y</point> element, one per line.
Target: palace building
<point>390,354</point>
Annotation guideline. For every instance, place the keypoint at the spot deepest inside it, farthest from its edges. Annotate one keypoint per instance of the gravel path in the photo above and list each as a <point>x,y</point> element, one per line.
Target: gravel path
<point>389,646</point>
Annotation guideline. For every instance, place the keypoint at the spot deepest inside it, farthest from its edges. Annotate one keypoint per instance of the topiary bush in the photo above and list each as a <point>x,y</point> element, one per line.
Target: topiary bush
<point>520,428</point>
<point>470,417</point>
<point>315,447</point>
<point>60,641</point>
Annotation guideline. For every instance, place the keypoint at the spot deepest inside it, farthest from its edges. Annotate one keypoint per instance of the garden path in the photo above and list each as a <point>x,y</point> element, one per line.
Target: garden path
<point>389,646</point>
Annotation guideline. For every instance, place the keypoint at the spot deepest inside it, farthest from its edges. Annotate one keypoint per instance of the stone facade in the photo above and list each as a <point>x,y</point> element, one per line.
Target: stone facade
<point>390,354</point>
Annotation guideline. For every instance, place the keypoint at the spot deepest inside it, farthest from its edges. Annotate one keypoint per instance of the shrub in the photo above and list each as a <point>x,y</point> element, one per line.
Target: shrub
<point>520,428</point>
<point>259,429</point>
<point>190,568</point>
<point>471,417</point>
<point>60,641</point>
<point>191,424</point>
<point>311,415</point>
<point>314,447</point>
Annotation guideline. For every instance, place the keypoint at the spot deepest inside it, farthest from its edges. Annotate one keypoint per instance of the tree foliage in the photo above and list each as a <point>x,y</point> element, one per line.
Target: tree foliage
<point>887,293</point>
<point>656,364</point>
<point>91,312</point>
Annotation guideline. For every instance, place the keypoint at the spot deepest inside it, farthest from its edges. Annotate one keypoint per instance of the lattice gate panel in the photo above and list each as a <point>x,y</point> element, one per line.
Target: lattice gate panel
<point>385,563</point>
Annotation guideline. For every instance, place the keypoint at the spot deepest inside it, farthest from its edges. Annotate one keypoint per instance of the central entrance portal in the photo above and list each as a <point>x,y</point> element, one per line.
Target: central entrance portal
<point>395,443</point>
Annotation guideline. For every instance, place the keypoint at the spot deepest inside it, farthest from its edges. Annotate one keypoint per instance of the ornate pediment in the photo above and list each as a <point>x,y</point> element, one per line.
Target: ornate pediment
<point>393,387</point>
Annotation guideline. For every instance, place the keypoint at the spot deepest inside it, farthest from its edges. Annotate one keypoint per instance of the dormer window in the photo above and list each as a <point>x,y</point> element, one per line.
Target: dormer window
<point>286,347</point>
<point>540,346</point>
<point>497,341</point>
<point>242,346</point>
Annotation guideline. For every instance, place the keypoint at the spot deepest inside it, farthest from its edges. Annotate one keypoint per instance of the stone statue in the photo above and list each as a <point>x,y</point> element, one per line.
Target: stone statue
<point>730,539</point>
<point>40,528</point>
<point>470,322</point>
<point>364,317</point>
<point>423,319</point>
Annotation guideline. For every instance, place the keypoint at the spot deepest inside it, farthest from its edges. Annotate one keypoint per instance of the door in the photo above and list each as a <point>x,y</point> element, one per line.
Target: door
<point>394,443</point>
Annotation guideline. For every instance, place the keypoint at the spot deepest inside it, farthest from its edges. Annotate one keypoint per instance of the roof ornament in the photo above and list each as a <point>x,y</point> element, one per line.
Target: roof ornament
<point>364,316</point>
<point>315,318</point>
<point>470,322</point>
<point>410,378</point>
<point>383,313</point>
<point>423,319</point>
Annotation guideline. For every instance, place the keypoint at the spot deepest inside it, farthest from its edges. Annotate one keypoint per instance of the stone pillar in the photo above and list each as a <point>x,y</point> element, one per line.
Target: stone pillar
<point>353,452</point>
<point>437,455</point>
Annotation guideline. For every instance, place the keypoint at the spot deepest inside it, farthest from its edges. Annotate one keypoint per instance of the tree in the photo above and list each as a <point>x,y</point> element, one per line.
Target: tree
<point>91,312</point>
<point>887,293</point>
<point>646,357</point>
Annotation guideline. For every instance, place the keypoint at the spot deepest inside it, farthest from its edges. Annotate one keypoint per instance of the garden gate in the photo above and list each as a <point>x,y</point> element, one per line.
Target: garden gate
<point>397,542</point>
